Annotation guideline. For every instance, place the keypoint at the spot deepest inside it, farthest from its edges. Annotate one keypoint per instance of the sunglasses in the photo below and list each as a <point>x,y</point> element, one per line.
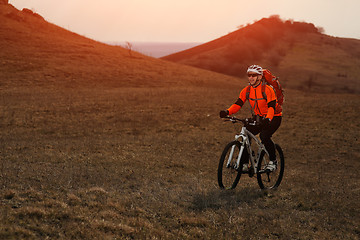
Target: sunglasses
<point>253,75</point>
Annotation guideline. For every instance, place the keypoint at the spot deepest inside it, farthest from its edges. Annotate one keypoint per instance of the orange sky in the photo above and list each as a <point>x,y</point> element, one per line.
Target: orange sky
<point>188,20</point>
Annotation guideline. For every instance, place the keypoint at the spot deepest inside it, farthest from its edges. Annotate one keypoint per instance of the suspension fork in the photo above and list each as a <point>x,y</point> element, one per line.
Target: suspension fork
<point>237,163</point>
<point>242,147</point>
<point>243,142</point>
<point>230,156</point>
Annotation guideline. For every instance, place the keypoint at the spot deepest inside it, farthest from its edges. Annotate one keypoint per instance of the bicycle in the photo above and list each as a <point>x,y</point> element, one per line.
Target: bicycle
<point>247,150</point>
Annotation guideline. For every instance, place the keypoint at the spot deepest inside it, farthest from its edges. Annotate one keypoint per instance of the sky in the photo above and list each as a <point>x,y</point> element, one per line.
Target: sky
<point>188,20</point>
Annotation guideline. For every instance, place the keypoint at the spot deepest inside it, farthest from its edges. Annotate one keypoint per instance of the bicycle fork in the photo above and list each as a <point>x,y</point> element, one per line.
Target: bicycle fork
<point>244,143</point>
<point>242,147</point>
<point>228,164</point>
<point>237,163</point>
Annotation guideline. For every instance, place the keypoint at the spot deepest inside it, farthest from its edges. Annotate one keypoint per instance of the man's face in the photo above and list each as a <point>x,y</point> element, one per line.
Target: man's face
<point>254,78</point>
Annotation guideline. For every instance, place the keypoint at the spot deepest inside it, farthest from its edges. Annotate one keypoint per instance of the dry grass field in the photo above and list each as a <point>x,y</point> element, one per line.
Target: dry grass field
<point>120,147</point>
<point>106,164</point>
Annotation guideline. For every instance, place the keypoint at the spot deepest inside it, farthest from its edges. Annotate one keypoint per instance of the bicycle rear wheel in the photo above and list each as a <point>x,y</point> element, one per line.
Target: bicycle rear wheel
<point>270,179</point>
<point>228,176</point>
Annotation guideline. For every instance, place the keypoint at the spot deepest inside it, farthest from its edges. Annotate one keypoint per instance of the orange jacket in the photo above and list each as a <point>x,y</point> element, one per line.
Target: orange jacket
<point>260,106</point>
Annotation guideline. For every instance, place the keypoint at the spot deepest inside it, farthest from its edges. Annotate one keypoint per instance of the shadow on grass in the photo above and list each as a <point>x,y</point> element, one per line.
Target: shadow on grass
<point>224,199</point>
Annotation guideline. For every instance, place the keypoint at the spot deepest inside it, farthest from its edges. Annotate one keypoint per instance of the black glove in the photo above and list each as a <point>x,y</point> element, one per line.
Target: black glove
<point>224,113</point>
<point>266,122</point>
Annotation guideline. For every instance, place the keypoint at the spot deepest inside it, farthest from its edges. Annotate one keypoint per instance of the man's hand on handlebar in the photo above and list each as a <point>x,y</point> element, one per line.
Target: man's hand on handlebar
<point>224,113</point>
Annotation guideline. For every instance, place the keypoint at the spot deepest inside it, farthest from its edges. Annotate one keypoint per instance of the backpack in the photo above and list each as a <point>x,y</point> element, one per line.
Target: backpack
<point>272,81</point>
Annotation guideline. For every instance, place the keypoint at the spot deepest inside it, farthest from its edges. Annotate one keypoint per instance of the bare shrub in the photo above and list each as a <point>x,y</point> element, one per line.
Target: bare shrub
<point>129,47</point>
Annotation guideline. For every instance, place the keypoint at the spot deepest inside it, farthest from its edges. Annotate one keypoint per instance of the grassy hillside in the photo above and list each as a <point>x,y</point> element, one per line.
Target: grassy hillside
<point>120,147</point>
<point>37,53</point>
<point>297,52</point>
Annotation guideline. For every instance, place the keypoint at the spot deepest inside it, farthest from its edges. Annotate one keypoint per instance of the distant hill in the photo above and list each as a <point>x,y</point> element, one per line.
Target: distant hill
<point>37,53</point>
<point>298,52</point>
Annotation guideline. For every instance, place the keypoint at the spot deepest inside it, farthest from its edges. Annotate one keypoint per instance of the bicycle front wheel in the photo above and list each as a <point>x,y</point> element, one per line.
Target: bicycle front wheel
<point>228,175</point>
<point>270,179</point>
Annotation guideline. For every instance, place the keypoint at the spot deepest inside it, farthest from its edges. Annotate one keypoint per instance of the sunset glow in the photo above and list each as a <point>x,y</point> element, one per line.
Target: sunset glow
<point>187,20</point>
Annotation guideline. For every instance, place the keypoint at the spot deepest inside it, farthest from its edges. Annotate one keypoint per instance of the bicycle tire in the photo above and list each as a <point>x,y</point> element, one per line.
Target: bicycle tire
<point>228,176</point>
<point>267,179</point>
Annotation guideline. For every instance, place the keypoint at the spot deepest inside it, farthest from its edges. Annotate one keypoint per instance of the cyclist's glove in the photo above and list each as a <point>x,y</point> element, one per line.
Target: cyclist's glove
<point>249,120</point>
<point>224,113</point>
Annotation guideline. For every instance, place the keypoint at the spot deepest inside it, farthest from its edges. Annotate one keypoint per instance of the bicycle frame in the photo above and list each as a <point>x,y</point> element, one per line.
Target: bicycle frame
<point>245,137</point>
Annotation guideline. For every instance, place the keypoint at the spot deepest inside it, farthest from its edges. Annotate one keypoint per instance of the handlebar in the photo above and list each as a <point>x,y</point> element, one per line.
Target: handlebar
<point>246,121</point>
<point>235,119</point>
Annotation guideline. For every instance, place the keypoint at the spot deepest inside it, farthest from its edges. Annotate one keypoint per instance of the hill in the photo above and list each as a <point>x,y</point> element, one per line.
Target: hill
<point>96,143</point>
<point>298,52</point>
<point>35,52</point>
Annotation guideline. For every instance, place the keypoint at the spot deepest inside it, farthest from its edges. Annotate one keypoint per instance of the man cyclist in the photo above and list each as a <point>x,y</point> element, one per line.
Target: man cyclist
<point>263,110</point>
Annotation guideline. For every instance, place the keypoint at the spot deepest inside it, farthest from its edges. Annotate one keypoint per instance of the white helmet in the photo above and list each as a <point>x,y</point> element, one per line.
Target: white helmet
<point>255,68</point>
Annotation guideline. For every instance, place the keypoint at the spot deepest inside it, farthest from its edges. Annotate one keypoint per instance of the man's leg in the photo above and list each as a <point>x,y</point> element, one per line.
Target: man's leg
<point>266,135</point>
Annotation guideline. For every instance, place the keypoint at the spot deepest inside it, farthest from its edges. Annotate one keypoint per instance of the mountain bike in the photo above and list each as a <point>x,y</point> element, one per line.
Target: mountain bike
<point>247,155</point>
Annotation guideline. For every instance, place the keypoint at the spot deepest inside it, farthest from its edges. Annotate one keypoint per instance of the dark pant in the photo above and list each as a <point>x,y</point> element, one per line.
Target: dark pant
<point>266,134</point>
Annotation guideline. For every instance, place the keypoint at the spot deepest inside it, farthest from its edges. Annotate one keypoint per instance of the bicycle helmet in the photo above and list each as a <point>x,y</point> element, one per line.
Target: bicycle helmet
<point>256,69</point>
